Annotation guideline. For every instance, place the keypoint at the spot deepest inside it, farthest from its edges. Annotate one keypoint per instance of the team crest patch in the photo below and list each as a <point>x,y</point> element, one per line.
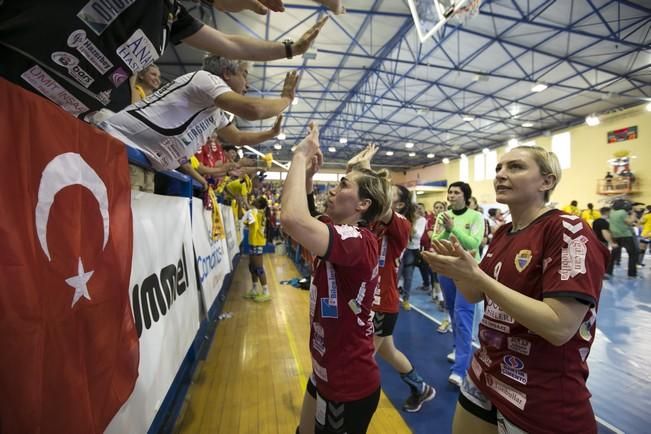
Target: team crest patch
<point>522,259</point>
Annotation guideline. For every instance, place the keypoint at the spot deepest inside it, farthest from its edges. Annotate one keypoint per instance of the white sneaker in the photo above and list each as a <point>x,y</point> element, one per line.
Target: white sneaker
<point>455,379</point>
<point>452,357</point>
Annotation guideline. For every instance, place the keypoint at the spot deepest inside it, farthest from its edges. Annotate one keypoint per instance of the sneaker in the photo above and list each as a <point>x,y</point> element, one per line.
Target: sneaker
<point>251,294</point>
<point>452,357</point>
<point>415,402</point>
<point>444,327</point>
<point>455,379</point>
<point>262,297</point>
<point>406,305</point>
<point>441,305</point>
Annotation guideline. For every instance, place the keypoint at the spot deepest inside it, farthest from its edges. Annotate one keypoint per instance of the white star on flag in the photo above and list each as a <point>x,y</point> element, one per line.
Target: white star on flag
<point>79,283</point>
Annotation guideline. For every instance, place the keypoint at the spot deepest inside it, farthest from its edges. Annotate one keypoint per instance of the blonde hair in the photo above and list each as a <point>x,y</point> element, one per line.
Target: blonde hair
<point>548,164</point>
<point>140,76</point>
<point>375,186</point>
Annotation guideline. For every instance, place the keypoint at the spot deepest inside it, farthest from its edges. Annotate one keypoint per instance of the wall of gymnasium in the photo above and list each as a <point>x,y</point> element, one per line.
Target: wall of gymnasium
<point>590,153</point>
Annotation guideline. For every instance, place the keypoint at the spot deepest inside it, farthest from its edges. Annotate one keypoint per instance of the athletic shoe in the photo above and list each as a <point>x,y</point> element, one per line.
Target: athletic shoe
<point>415,402</point>
<point>444,327</point>
<point>251,294</point>
<point>455,379</point>
<point>262,297</point>
<point>406,305</point>
<point>452,357</point>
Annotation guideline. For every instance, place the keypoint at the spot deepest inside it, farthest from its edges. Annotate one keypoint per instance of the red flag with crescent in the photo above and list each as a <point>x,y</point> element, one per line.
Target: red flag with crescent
<point>68,345</point>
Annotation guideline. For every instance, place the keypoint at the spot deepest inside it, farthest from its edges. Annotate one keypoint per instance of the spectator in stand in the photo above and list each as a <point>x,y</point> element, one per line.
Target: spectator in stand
<point>124,38</point>
<point>344,389</point>
<point>601,228</point>
<point>573,208</point>
<point>645,234</point>
<point>541,282</point>
<point>257,220</point>
<point>170,125</point>
<point>495,220</point>
<point>621,222</point>
<point>590,214</point>
<point>147,82</point>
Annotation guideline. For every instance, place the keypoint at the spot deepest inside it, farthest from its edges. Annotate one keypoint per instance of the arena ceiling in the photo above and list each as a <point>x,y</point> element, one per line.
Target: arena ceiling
<point>373,80</point>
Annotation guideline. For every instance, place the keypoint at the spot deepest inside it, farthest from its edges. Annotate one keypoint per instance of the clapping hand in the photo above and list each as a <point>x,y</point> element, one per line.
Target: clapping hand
<point>305,41</point>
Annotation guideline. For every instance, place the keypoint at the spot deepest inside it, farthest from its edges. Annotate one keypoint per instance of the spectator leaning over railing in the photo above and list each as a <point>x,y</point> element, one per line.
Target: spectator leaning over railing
<point>170,125</point>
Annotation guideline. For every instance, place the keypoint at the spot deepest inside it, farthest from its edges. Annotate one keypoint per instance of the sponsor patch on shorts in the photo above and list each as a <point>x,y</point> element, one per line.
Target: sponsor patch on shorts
<point>511,394</point>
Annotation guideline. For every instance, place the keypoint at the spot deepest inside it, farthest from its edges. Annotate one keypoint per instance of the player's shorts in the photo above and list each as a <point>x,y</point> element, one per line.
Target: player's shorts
<point>256,250</point>
<point>384,323</point>
<point>474,401</point>
<point>351,417</point>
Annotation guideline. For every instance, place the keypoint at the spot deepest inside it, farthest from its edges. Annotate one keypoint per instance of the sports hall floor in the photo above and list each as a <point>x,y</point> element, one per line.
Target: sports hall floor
<point>253,378</point>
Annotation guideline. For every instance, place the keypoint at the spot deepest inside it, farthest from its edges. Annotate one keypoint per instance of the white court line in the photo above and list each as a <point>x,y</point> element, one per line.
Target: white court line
<point>610,426</point>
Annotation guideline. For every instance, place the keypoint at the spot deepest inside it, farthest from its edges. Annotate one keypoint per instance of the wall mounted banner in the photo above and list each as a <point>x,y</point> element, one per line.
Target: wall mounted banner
<point>231,231</point>
<point>165,303</point>
<point>213,259</point>
<point>622,135</point>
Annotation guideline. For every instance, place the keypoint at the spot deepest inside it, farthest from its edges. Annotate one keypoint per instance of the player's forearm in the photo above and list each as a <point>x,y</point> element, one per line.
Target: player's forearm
<point>254,137</point>
<point>245,48</point>
<point>294,197</point>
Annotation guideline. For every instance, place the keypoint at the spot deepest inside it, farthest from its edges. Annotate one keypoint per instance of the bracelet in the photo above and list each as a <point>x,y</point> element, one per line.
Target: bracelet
<point>288,48</point>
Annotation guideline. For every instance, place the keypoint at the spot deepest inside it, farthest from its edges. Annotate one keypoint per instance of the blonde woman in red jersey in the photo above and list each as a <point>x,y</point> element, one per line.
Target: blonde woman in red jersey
<point>393,230</point>
<point>540,280</point>
<point>344,389</point>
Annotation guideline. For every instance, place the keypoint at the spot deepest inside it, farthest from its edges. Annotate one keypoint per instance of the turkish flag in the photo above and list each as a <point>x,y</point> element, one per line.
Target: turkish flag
<point>68,345</point>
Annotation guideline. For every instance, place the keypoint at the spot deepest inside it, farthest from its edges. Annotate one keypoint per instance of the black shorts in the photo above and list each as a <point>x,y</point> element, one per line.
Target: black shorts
<point>351,417</point>
<point>384,323</point>
<point>475,402</point>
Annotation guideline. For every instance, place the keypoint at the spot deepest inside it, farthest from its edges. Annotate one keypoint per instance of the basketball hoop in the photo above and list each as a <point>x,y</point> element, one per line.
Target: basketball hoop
<point>431,15</point>
<point>465,11</point>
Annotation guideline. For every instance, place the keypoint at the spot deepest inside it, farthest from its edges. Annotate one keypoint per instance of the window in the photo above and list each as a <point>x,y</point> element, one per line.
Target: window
<point>480,169</point>
<point>491,163</point>
<point>561,146</point>
<point>464,174</point>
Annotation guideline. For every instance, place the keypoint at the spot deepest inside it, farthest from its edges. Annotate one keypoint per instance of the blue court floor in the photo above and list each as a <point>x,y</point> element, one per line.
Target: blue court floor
<point>620,360</point>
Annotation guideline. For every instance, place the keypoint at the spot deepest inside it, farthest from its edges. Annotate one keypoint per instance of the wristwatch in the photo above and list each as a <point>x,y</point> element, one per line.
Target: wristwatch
<point>288,48</point>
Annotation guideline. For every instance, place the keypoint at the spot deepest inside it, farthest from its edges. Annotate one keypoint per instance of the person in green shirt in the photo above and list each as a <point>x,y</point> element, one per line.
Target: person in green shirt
<point>467,226</point>
<point>621,227</point>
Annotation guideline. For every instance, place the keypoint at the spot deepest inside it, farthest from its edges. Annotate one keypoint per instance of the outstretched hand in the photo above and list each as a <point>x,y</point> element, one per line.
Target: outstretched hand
<point>363,158</point>
<point>305,41</point>
<point>258,6</point>
<point>289,87</point>
<point>309,147</point>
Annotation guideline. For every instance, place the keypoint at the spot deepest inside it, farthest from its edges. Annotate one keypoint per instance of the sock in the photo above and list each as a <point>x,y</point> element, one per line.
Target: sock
<point>255,287</point>
<point>414,381</point>
<point>265,289</point>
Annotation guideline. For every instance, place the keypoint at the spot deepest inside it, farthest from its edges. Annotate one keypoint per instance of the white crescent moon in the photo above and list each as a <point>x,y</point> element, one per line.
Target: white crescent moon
<point>64,170</point>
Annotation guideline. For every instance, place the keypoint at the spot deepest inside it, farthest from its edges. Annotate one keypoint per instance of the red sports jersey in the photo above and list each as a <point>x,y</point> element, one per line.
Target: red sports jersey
<point>536,385</point>
<point>341,334</point>
<point>393,238</point>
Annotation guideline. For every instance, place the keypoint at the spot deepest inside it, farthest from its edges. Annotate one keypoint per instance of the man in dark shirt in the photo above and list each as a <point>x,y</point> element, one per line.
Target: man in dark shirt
<point>83,53</point>
<point>601,228</point>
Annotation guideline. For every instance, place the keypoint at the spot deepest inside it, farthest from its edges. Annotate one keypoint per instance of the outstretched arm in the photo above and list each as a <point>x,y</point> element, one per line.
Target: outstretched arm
<point>235,136</point>
<point>296,219</point>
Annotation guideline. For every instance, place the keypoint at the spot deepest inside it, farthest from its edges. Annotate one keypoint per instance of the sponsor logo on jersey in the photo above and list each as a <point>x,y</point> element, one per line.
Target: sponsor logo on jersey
<point>496,312</point>
<point>99,14</point>
<point>512,367</point>
<point>48,87</point>
<point>482,355</point>
<point>491,338</point>
<point>86,48</point>
<point>118,76</point>
<point>495,325</point>
<point>511,394</point>
<point>513,362</point>
<point>519,345</point>
<point>347,231</point>
<point>573,257</point>
<point>318,338</point>
<point>476,368</point>
<point>522,260</point>
<point>71,63</point>
<point>585,330</point>
<point>137,52</point>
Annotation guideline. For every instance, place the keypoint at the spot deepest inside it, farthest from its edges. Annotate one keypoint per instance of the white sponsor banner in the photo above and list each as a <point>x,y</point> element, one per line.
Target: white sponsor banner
<point>231,231</point>
<point>164,299</point>
<point>213,260</point>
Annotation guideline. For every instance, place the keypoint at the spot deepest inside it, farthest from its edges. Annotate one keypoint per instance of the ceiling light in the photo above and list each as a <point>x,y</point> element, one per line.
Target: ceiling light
<point>278,146</point>
<point>539,87</point>
<point>409,145</point>
<point>485,150</point>
<point>295,100</point>
<point>343,140</point>
<point>281,136</point>
<point>412,154</point>
<point>648,107</point>
<point>512,143</point>
<point>293,148</point>
<point>446,161</point>
<point>332,149</point>
<point>430,155</point>
<point>463,156</point>
<point>389,153</point>
<point>527,124</point>
<point>592,120</point>
<point>468,118</point>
